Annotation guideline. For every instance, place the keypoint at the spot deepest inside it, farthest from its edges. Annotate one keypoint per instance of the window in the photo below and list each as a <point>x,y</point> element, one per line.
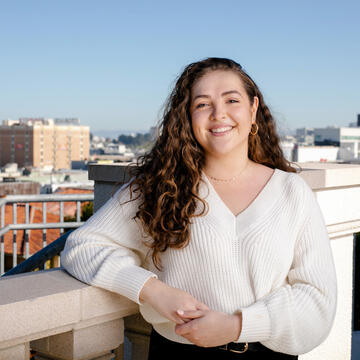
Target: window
<point>346,137</point>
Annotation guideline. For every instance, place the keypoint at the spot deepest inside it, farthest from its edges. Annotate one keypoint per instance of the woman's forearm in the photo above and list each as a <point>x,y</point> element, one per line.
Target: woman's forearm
<point>167,300</point>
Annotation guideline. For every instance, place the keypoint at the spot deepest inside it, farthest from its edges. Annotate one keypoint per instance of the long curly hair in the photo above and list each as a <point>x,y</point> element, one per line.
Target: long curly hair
<point>167,178</point>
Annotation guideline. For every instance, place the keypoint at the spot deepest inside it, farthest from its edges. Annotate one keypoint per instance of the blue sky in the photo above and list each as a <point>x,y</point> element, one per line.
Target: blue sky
<point>113,63</point>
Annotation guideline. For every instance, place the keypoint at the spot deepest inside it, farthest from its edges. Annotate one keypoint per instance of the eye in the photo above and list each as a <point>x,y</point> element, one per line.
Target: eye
<point>201,105</point>
<point>233,101</point>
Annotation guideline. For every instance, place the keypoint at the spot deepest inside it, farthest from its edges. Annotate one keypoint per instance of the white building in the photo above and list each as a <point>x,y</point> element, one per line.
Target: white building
<point>287,147</point>
<point>114,149</point>
<point>316,153</point>
<point>347,138</point>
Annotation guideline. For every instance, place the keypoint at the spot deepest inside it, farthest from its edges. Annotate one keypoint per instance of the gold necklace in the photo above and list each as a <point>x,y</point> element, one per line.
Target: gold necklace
<point>231,179</point>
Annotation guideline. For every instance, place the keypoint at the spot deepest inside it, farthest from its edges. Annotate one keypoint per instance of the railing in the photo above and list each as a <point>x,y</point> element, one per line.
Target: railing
<point>38,260</point>
<point>27,226</point>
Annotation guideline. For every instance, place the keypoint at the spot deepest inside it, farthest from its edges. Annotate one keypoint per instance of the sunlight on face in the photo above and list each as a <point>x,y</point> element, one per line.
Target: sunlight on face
<point>221,114</point>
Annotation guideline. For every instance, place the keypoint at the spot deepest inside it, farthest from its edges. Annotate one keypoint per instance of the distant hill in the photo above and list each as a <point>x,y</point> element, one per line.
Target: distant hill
<point>114,134</point>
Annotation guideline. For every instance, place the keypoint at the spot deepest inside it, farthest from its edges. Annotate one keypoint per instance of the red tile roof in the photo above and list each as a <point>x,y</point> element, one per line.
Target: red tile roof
<point>36,216</point>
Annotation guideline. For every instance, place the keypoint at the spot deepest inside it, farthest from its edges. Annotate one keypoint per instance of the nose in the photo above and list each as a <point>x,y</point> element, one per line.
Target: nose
<point>218,111</point>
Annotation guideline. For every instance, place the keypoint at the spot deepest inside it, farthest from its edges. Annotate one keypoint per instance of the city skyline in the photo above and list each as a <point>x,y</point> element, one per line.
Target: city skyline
<point>113,65</point>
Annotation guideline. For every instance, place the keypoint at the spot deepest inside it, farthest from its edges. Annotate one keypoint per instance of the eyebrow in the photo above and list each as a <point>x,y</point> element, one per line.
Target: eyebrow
<point>223,94</point>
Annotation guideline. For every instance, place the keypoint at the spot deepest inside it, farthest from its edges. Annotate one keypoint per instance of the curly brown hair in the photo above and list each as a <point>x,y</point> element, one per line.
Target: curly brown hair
<point>167,178</point>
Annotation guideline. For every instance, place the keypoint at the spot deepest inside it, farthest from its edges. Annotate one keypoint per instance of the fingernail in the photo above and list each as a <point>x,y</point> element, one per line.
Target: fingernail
<point>180,312</point>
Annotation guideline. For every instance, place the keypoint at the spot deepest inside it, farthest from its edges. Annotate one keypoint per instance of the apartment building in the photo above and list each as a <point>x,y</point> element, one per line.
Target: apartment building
<point>347,138</point>
<point>44,143</point>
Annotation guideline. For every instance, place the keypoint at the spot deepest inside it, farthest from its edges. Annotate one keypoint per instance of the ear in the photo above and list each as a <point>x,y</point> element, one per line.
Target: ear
<point>254,108</point>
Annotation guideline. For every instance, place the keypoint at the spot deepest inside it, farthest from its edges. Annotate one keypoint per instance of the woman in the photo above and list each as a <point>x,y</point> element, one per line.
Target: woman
<point>216,238</point>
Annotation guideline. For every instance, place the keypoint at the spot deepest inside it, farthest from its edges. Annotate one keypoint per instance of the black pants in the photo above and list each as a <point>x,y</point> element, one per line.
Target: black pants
<point>164,349</point>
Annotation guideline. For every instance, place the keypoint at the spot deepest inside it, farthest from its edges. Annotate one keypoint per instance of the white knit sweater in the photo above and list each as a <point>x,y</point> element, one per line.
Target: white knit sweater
<point>272,262</point>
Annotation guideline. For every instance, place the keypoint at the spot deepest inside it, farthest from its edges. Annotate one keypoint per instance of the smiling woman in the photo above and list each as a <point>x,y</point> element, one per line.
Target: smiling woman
<point>222,114</point>
<point>216,238</point>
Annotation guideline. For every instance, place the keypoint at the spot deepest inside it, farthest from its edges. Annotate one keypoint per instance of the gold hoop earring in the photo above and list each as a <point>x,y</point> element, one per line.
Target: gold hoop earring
<point>256,130</point>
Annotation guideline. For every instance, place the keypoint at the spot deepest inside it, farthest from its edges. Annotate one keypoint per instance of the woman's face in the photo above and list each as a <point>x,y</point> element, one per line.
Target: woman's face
<point>221,114</point>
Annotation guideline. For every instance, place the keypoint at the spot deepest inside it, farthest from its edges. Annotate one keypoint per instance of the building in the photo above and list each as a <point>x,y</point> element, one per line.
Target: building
<point>347,138</point>
<point>112,149</point>
<point>310,153</point>
<point>43,143</point>
<point>305,136</point>
<point>287,145</point>
<point>19,188</point>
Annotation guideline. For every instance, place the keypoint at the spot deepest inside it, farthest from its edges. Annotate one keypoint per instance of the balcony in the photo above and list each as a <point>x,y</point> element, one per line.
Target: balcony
<point>62,318</point>
<point>30,222</point>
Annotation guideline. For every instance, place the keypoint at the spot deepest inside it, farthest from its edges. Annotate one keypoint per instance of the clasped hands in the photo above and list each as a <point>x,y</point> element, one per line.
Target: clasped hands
<point>194,320</point>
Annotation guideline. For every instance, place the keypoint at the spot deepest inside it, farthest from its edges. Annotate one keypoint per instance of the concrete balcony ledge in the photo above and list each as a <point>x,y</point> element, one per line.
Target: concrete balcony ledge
<point>108,172</point>
<point>107,177</point>
<point>337,189</point>
<point>317,175</point>
<point>62,317</point>
<point>330,175</point>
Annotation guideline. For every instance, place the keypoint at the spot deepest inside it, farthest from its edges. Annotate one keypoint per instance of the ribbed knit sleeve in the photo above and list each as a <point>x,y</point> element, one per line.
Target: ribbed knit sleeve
<point>107,251</point>
<point>298,316</point>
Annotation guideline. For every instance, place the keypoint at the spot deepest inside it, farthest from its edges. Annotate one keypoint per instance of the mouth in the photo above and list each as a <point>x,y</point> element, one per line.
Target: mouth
<point>221,130</point>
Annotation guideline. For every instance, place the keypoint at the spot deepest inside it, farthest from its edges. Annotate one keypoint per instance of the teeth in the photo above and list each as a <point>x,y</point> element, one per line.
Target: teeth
<point>223,129</point>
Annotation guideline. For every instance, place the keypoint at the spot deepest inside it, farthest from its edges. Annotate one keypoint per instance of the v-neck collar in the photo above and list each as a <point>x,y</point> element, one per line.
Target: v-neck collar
<point>262,202</point>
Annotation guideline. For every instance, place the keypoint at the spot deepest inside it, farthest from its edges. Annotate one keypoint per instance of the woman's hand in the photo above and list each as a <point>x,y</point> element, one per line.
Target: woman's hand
<point>210,328</point>
<point>167,300</point>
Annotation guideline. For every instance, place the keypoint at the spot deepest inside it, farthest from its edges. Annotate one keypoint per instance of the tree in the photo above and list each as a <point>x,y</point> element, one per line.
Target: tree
<point>87,209</point>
